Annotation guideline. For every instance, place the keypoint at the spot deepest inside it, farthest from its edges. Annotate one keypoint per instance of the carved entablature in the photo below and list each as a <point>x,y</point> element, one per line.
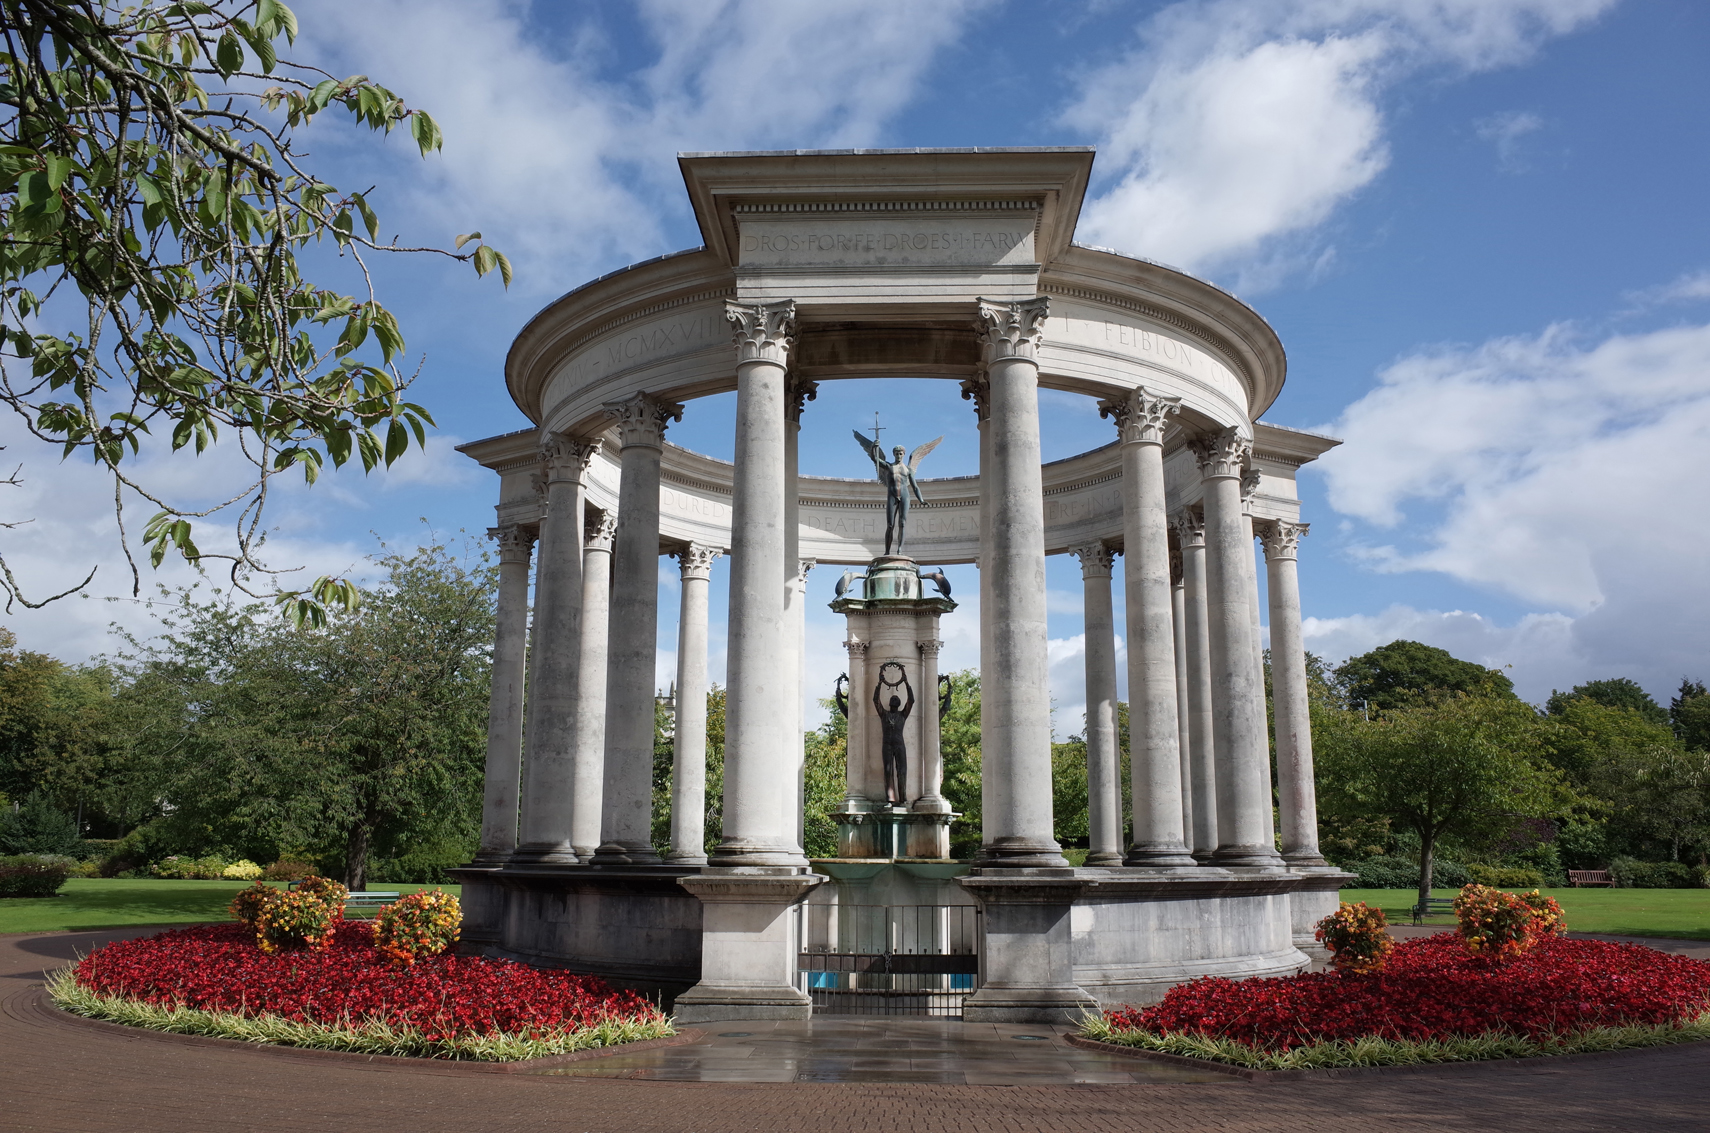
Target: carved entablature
<point>1096,560</point>
<point>1011,330</point>
<point>516,542</point>
<point>1281,539</point>
<point>564,459</point>
<point>1223,455</point>
<point>764,332</point>
<point>642,420</point>
<point>696,559</point>
<point>601,531</point>
<point>1141,417</point>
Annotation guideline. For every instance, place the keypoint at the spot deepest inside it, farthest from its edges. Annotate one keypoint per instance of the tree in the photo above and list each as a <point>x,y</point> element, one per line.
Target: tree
<point>1457,765</point>
<point>54,728</point>
<point>1586,732</point>
<point>1661,789</point>
<point>1617,692</point>
<point>154,197</point>
<point>1402,672</point>
<point>959,744</point>
<point>38,828</point>
<point>1689,713</point>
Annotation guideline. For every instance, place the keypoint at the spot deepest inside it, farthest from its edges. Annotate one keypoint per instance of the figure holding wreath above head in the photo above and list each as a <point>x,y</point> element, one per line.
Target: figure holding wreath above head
<point>891,721</point>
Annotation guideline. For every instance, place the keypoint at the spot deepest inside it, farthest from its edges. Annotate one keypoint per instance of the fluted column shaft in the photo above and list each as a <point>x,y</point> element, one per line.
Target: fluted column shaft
<point>505,704</point>
<point>1178,621</point>
<point>589,771</point>
<point>689,754</point>
<point>1202,756</point>
<point>1104,768</point>
<point>993,790</point>
<point>758,712</point>
<point>797,393</point>
<point>1015,678</point>
<point>547,800</point>
<point>1250,563</point>
<point>1296,786</point>
<point>1154,738</point>
<point>1237,685</point>
<point>626,819</point>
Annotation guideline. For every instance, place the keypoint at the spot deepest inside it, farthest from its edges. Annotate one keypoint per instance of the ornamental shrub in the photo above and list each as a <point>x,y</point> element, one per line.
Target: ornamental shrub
<point>1399,871</point>
<point>247,905</point>
<point>1357,937</point>
<point>288,869</point>
<point>33,875</point>
<point>184,868</point>
<point>1505,877</point>
<point>1494,924</point>
<point>325,889</point>
<point>419,924</point>
<point>1629,873</point>
<point>295,919</point>
<point>1547,916</point>
<point>241,870</point>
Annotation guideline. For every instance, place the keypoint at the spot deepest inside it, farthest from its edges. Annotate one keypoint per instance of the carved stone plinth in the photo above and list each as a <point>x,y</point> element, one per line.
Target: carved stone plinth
<point>749,946</point>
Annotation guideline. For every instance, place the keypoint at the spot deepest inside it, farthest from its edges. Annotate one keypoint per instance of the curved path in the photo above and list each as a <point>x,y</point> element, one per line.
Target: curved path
<point>62,1076</point>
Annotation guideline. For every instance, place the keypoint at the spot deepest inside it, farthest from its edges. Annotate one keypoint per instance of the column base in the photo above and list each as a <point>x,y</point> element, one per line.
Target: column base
<point>544,853</point>
<point>1160,857</point>
<point>625,853</point>
<point>1021,853</point>
<point>752,854</point>
<point>489,859</point>
<point>1307,861</point>
<point>1104,859</point>
<point>1256,856</point>
<point>1028,1005</point>
<point>932,804</point>
<point>685,859</point>
<point>749,947</point>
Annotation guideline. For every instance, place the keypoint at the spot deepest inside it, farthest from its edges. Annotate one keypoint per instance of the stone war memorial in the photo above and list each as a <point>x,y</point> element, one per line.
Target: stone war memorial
<point>941,264</point>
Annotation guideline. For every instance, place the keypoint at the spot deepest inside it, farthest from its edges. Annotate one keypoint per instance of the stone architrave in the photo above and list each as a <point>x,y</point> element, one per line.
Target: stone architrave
<point>1238,702</point>
<point>1153,727</point>
<point>1296,786</point>
<point>626,819</point>
<point>758,712</point>
<point>589,772</point>
<point>1104,759</point>
<point>689,762</point>
<point>1014,668</point>
<point>547,800</point>
<point>505,705</point>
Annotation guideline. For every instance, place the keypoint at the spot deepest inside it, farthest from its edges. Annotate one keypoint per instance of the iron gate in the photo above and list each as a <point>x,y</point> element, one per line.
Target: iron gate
<point>890,959</point>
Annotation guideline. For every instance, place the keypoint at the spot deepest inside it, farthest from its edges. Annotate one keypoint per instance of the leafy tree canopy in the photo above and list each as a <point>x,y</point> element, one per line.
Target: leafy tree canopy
<point>1404,672</point>
<point>1587,733</point>
<point>1689,712</point>
<point>1617,692</point>
<point>154,203</point>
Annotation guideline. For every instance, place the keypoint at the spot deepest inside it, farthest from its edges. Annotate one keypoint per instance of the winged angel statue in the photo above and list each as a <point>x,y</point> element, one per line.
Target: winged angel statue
<point>897,476</point>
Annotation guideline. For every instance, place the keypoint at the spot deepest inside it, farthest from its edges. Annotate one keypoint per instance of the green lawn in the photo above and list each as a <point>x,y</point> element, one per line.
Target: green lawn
<point>1680,913</point>
<point>90,903</point>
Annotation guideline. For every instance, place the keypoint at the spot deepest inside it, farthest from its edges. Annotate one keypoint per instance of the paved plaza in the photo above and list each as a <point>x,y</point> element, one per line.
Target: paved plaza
<point>828,1075</point>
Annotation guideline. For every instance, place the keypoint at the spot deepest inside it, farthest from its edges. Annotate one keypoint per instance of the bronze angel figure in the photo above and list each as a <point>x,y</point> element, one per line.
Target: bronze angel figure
<point>897,475</point>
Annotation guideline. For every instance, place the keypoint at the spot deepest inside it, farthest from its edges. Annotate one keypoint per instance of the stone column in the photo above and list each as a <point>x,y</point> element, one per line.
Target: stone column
<point>505,706</point>
<point>1104,767</point>
<point>1014,669</point>
<point>589,773</point>
<point>626,819</point>
<point>855,799</point>
<point>689,757</point>
<point>1178,622</point>
<point>1154,741</point>
<point>1202,758</point>
<point>797,393</point>
<point>978,390</point>
<point>758,709</point>
<point>1296,787</point>
<point>1237,685</point>
<point>931,800</point>
<point>1249,487</point>
<point>547,802</point>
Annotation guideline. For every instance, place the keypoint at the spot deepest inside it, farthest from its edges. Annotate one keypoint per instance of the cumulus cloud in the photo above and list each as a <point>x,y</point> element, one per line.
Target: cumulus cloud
<point>1691,287</point>
<point>1236,126</point>
<point>1562,473</point>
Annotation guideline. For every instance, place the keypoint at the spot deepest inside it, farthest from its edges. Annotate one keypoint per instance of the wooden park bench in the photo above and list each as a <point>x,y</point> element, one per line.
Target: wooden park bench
<point>1579,878</point>
<point>1431,907</point>
<point>367,899</point>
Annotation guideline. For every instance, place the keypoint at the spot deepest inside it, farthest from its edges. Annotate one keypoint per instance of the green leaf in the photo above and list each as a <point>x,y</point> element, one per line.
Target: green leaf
<point>263,47</point>
<point>323,93</point>
<point>464,239</point>
<point>504,269</point>
<point>426,132</point>
<point>397,441</point>
<point>486,259</point>
<point>228,55</point>
<point>368,217</point>
<point>58,169</point>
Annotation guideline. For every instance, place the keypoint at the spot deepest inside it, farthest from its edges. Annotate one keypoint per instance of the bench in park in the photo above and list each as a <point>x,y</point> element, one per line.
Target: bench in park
<point>1579,878</point>
<point>366,899</point>
<point>1431,907</point>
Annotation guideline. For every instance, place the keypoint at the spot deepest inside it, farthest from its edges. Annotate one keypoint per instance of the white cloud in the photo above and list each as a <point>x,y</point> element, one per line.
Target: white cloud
<point>1235,125</point>
<point>1688,288</point>
<point>1505,130</point>
<point>1563,474</point>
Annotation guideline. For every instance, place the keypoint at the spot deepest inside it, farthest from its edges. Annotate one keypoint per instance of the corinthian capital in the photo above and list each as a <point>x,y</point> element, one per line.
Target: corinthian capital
<point>1140,417</point>
<point>979,391</point>
<point>1223,455</point>
<point>1011,330</point>
<point>515,542</point>
<point>1249,484</point>
<point>695,560</point>
<point>601,531</point>
<point>764,332</point>
<point>797,393</point>
<point>1190,527</point>
<point>1096,560</point>
<point>566,458</point>
<point>1281,539</point>
<point>642,419</point>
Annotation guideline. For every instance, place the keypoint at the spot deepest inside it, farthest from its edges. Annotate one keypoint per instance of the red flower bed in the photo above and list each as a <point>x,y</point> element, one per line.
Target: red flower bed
<point>1434,989</point>
<point>219,968</point>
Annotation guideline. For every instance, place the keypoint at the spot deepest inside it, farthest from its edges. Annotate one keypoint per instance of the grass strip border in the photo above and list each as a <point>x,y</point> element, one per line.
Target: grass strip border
<point>365,1037</point>
<point>1338,1057</point>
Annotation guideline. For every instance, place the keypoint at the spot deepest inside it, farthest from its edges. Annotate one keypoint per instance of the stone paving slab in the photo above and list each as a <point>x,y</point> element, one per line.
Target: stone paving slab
<point>61,1078</point>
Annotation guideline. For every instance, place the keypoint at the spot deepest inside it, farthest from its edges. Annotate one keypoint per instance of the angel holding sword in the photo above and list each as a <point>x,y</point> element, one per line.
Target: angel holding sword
<point>897,476</point>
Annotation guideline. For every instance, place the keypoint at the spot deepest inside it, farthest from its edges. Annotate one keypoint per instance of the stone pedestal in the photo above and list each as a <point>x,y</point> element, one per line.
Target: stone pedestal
<point>1029,949</point>
<point>749,947</point>
<point>893,833</point>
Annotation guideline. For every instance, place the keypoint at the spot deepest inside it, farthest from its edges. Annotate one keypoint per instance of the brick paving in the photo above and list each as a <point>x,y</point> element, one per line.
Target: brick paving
<point>58,1076</point>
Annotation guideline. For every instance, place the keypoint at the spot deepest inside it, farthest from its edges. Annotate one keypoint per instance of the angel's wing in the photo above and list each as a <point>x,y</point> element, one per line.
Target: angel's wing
<point>870,448</point>
<point>919,454</point>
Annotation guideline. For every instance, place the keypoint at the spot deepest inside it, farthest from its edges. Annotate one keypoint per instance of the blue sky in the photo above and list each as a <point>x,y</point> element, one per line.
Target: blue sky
<point>1479,227</point>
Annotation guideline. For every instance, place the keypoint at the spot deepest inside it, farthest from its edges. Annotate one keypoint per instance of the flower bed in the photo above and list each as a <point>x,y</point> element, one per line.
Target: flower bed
<point>1433,1000</point>
<point>214,980</point>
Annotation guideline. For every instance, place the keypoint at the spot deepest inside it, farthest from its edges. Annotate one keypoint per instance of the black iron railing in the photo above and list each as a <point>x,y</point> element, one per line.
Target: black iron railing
<point>890,959</point>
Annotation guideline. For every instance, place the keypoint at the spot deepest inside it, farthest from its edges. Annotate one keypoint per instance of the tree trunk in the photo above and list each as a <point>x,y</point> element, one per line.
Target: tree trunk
<point>1427,851</point>
<point>356,858</point>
